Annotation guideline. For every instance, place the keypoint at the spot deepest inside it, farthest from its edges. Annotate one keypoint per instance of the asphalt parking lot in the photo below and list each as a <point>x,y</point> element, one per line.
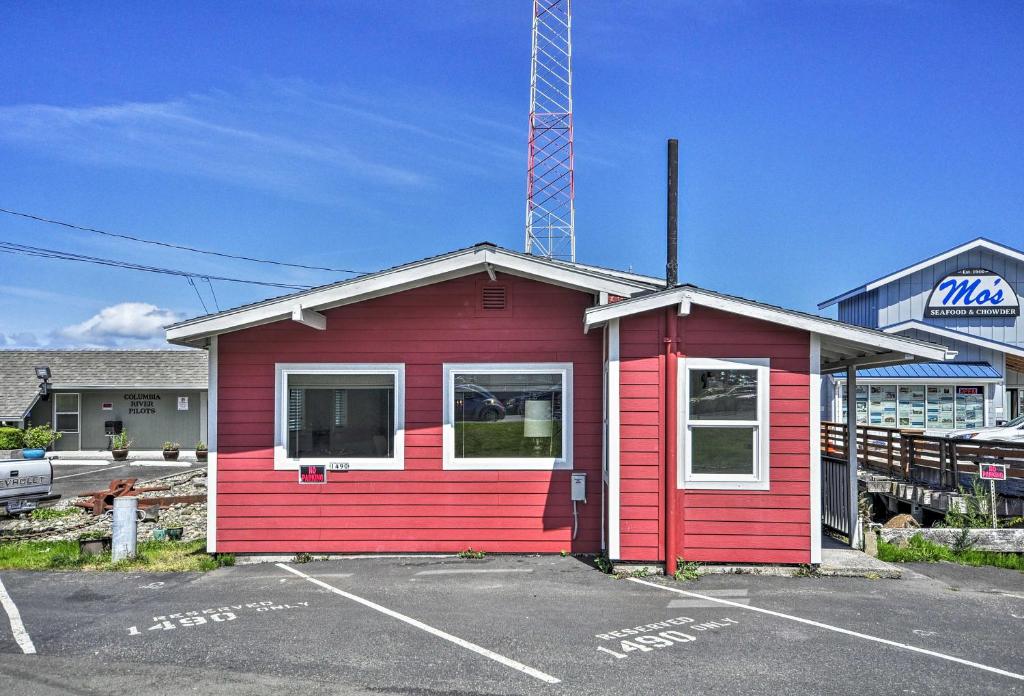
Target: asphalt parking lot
<point>69,480</point>
<point>509,625</point>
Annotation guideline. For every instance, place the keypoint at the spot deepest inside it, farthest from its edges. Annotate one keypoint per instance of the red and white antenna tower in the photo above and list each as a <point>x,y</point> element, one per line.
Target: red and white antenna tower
<point>550,189</point>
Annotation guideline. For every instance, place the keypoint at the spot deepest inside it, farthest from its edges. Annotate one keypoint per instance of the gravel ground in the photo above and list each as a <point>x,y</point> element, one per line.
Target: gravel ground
<point>191,518</point>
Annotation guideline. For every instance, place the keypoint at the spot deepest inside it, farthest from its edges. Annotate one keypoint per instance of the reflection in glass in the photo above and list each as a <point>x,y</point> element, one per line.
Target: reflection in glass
<point>347,415</point>
<point>508,415</point>
<point>723,395</point>
<point>724,450</point>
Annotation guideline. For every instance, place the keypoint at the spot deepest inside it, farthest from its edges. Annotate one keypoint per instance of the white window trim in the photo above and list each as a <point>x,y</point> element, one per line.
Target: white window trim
<point>282,462</point>
<point>506,463</point>
<point>759,480</point>
<point>77,412</point>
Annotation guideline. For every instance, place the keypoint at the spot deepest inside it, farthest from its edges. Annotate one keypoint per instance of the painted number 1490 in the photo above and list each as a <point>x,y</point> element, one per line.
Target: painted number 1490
<point>167,625</point>
<point>665,639</point>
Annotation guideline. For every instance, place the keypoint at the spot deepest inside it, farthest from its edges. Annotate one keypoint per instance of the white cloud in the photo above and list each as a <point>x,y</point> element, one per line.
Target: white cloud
<point>208,136</point>
<point>128,324</point>
<point>22,339</point>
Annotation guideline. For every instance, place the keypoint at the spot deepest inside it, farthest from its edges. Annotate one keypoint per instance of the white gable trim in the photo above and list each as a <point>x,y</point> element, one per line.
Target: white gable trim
<point>911,348</point>
<point>456,265</point>
<point>954,335</point>
<point>979,243</point>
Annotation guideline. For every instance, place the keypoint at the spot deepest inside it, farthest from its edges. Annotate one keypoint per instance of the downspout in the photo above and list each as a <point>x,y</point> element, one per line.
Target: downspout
<point>671,438</point>
<point>671,358</point>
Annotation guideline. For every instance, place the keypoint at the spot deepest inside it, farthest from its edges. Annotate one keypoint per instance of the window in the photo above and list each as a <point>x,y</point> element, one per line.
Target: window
<point>352,414</point>
<point>509,416</point>
<point>723,439</point>
<point>917,406</point>
<point>65,413</point>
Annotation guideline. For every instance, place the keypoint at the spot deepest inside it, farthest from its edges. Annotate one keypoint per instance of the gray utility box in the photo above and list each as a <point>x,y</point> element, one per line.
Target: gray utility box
<point>24,483</point>
<point>579,487</point>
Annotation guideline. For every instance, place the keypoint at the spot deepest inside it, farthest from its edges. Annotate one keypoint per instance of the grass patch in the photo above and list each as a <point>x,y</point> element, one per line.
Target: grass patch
<point>504,438</point>
<point>471,553</point>
<point>154,556</point>
<point>920,550</point>
<point>53,513</point>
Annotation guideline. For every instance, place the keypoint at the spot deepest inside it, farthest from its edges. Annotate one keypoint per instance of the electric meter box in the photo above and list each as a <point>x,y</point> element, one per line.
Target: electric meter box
<point>579,487</point>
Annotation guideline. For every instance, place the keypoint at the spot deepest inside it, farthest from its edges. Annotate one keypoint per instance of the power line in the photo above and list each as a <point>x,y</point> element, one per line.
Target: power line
<point>201,301</point>
<point>40,252</point>
<point>215,302</point>
<point>180,247</point>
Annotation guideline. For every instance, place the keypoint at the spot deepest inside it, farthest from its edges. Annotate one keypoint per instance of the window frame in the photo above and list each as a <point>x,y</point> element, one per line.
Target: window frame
<point>282,462</point>
<point>759,479</point>
<point>77,412</point>
<point>449,370</point>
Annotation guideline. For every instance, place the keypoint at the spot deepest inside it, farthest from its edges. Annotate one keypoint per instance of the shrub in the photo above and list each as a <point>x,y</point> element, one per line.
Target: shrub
<point>40,437</point>
<point>11,438</point>
<point>121,441</point>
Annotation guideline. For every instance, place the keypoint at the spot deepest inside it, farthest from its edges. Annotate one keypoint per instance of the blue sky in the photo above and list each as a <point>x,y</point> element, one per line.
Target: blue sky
<point>822,143</point>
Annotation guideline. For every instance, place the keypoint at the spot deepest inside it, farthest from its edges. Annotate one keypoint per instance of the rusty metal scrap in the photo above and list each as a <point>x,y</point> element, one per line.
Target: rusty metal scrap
<point>101,501</point>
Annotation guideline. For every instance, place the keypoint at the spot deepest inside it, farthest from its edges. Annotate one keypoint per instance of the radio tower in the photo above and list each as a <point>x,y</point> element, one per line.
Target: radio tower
<point>550,189</point>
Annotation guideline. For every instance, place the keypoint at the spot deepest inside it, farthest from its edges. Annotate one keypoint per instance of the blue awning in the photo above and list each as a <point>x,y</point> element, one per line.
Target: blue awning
<point>928,370</point>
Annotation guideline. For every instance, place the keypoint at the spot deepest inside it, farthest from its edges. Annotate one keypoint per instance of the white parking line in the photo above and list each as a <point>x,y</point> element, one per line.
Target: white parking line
<point>508,662</point>
<point>836,629</point>
<point>461,571</point>
<point>21,636</point>
<point>90,471</point>
<point>739,595</point>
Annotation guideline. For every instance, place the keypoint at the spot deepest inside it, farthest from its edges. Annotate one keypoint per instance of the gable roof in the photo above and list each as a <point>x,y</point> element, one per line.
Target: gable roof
<point>479,258</point>
<point>979,243</point>
<point>846,344</point>
<point>95,369</point>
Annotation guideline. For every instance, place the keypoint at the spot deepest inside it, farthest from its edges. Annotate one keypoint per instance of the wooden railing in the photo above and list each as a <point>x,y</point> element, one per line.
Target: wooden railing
<point>915,457</point>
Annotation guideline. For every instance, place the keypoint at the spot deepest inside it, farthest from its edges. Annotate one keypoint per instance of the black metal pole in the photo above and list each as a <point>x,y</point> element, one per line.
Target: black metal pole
<point>672,260</point>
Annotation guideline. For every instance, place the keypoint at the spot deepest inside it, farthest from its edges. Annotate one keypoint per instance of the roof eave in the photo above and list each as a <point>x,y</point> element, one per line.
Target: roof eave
<point>913,268</point>
<point>944,332</point>
<point>470,261</point>
<point>889,351</point>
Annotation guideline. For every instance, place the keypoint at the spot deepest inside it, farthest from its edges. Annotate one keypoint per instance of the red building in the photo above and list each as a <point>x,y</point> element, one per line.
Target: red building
<point>453,401</point>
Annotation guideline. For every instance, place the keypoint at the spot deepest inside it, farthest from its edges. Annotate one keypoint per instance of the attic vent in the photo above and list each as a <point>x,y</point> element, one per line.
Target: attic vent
<point>493,297</point>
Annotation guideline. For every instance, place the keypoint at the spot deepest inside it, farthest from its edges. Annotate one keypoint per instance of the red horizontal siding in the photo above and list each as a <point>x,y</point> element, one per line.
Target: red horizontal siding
<point>422,508</point>
<point>770,526</point>
<point>641,469</point>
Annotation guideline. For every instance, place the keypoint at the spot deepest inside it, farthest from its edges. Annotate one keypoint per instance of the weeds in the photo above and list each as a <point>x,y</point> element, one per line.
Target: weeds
<point>51,513</point>
<point>302,558</point>
<point>975,513</point>
<point>471,553</point>
<point>687,571</point>
<point>806,570</point>
<point>602,563</point>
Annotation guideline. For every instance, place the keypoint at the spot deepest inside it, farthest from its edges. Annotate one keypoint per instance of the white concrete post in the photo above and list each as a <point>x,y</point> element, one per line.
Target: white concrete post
<point>851,454</point>
<point>125,529</point>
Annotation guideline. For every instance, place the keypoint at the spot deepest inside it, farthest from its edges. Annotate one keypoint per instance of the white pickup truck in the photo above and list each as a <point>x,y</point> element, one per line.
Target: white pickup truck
<point>24,483</point>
